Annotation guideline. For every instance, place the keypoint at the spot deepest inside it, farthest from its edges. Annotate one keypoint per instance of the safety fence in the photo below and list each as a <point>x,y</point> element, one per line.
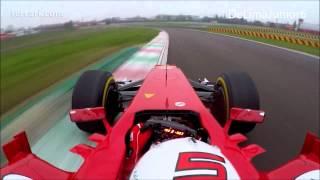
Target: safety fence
<point>268,33</point>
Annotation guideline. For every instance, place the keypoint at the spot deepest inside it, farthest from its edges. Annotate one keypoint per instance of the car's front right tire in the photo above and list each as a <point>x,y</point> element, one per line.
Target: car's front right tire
<point>236,89</point>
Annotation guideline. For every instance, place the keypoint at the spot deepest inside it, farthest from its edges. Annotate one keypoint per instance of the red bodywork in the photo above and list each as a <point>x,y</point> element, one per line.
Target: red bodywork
<point>165,88</point>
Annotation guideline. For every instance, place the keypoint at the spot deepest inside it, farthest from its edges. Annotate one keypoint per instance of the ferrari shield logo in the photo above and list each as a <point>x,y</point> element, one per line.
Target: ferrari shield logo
<point>148,95</point>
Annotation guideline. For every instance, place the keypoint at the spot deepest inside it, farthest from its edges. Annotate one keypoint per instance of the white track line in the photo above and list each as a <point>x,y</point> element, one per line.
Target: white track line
<point>164,54</point>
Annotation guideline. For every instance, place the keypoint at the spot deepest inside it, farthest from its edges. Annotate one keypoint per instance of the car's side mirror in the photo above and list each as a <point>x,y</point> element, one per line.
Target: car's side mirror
<point>244,115</point>
<point>87,114</point>
<point>247,115</point>
<point>90,114</point>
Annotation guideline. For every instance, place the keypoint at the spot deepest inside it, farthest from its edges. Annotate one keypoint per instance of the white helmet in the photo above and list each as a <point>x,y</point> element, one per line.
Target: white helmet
<point>183,157</point>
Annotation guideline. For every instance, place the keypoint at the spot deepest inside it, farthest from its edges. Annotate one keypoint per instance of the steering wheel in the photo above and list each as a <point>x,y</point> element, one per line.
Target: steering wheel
<point>160,124</point>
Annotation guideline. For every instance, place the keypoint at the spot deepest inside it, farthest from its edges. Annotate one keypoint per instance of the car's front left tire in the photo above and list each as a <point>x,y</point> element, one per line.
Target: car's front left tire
<point>96,88</point>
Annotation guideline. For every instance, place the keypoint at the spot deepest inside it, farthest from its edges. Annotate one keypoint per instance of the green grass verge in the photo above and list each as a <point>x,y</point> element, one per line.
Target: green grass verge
<point>44,37</point>
<point>31,64</point>
<point>109,63</point>
<point>306,49</point>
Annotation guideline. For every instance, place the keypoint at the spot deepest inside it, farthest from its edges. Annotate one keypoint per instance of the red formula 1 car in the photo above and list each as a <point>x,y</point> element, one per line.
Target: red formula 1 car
<point>164,127</point>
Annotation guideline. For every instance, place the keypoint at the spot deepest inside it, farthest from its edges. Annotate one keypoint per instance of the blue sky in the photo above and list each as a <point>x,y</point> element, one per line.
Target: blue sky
<point>33,13</point>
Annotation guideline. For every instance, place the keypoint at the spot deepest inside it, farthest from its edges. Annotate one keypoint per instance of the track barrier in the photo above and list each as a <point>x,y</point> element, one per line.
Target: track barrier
<point>267,33</point>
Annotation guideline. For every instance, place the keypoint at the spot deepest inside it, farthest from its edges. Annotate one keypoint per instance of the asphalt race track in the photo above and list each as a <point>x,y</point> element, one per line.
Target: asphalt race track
<point>288,84</point>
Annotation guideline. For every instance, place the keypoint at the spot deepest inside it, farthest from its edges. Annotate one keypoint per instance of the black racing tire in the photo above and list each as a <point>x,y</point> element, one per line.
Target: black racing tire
<point>237,89</point>
<point>96,88</point>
